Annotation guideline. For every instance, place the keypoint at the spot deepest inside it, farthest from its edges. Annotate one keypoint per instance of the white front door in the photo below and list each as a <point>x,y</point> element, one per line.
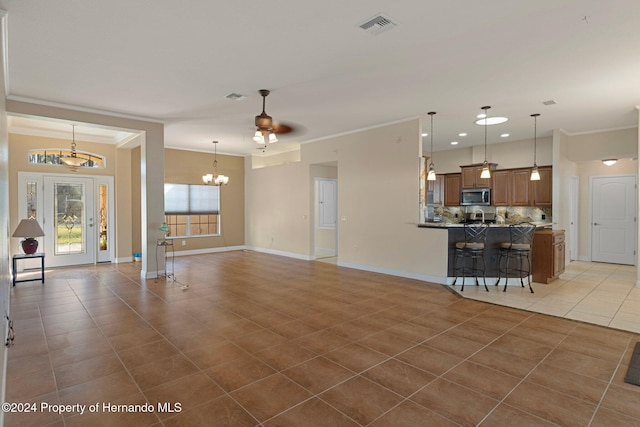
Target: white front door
<point>613,219</point>
<point>69,221</point>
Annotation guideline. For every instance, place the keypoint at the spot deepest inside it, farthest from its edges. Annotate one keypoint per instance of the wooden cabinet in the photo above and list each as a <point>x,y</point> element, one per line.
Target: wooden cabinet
<point>548,255</point>
<point>501,185</point>
<point>520,187</point>
<point>437,188</point>
<point>542,191</point>
<point>452,189</point>
<point>470,176</point>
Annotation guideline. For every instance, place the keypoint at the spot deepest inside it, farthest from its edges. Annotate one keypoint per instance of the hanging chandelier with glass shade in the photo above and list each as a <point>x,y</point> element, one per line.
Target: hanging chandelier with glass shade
<point>73,161</point>
<point>431,175</point>
<point>535,174</point>
<point>486,173</point>
<point>214,177</point>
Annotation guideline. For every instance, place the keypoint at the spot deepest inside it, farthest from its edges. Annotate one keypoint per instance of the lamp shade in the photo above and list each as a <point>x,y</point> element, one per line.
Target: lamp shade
<point>29,228</point>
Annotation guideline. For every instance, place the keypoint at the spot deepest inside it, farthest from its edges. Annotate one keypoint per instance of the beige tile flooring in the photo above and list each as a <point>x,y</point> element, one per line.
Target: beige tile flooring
<point>263,340</point>
<point>602,294</point>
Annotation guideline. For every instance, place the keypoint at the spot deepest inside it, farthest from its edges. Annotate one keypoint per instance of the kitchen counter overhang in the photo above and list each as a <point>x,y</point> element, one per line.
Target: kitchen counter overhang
<point>497,234</point>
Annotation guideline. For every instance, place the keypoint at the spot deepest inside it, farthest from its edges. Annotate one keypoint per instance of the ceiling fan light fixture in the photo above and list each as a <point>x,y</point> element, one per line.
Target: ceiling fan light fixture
<point>258,137</point>
<point>264,123</point>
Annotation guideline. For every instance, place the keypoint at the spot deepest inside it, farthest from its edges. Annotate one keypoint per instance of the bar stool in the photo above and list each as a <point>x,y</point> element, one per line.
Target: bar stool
<point>472,249</point>
<point>518,248</point>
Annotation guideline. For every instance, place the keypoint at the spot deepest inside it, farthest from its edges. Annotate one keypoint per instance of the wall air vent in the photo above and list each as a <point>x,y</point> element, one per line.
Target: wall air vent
<point>378,24</point>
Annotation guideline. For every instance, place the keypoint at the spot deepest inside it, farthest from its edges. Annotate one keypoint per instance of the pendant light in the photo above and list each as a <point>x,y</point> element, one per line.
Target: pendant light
<point>73,161</point>
<point>486,173</point>
<point>535,175</point>
<point>431,176</point>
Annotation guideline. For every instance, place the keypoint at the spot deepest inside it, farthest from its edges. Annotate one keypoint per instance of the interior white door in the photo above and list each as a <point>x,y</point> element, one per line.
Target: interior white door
<point>70,236</point>
<point>613,219</point>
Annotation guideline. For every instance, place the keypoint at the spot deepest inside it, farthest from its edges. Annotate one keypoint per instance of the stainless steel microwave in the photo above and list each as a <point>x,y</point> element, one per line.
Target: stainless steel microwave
<point>475,196</point>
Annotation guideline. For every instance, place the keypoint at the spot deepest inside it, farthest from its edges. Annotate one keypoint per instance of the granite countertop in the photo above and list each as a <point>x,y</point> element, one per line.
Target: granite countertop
<point>538,224</point>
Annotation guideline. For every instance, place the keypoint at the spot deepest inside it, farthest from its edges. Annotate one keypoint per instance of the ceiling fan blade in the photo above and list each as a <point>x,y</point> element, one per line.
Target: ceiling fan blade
<point>281,128</point>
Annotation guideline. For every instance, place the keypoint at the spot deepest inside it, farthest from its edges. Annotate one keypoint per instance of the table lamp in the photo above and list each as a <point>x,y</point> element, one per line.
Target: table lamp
<point>29,229</point>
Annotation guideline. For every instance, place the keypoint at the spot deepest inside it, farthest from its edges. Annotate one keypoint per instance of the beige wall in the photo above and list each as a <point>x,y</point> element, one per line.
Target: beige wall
<point>585,171</point>
<point>152,154</point>
<point>5,230</point>
<point>277,210</point>
<point>187,167</point>
<point>377,204</point>
<point>19,146</point>
<point>507,155</point>
<point>580,156</point>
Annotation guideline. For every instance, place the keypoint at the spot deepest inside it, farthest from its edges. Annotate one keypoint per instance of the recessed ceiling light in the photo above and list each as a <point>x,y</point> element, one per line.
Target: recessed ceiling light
<point>491,121</point>
<point>454,142</point>
<point>425,134</point>
<point>504,135</point>
<point>462,134</point>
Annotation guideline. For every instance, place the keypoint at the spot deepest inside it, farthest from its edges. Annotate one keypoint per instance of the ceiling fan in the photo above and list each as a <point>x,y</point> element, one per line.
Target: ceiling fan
<point>266,128</point>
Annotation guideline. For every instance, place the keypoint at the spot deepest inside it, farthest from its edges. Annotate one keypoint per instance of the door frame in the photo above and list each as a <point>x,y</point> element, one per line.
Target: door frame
<point>317,181</point>
<point>105,256</point>
<point>574,218</point>
<point>591,207</point>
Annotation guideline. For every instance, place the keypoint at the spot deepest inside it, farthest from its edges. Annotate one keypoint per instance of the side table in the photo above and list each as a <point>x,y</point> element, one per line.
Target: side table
<point>167,245</point>
<point>14,269</point>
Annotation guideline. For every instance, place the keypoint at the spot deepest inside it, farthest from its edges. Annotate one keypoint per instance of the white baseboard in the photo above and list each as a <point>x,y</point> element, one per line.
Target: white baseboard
<point>392,272</point>
<point>210,250</point>
<point>124,259</point>
<point>324,252</point>
<point>281,253</point>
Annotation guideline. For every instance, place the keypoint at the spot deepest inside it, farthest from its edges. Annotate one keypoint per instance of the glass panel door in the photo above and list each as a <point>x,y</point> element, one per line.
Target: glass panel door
<point>69,223</point>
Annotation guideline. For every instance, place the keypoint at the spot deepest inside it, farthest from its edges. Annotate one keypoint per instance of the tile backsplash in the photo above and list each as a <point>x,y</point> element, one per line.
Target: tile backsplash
<point>504,214</point>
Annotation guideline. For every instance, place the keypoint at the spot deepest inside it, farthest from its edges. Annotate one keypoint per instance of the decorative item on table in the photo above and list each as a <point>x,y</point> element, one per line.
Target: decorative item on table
<point>165,229</point>
<point>29,229</point>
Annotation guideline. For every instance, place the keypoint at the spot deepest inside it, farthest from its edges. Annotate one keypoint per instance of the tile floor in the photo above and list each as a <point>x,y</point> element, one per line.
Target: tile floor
<point>263,340</point>
<point>602,294</point>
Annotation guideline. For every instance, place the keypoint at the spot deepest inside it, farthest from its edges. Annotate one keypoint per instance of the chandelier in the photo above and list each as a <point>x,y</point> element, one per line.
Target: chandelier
<point>214,177</point>
<point>73,161</point>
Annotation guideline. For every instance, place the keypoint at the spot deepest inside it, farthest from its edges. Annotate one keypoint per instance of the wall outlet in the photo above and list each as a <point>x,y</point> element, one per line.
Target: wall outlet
<point>544,216</point>
<point>184,243</point>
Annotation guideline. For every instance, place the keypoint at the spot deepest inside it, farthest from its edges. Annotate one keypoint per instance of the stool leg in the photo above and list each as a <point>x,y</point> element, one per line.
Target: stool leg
<point>529,272</point>
<point>455,269</point>
<point>521,270</point>
<point>499,267</point>
<point>484,273</point>
<point>506,271</point>
<point>464,278</point>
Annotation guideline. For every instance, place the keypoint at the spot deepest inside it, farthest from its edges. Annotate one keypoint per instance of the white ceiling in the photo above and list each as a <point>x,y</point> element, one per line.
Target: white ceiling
<point>176,61</point>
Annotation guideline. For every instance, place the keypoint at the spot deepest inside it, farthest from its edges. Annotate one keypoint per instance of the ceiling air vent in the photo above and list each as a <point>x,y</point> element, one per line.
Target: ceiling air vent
<point>378,24</point>
<point>549,102</point>
<point>236,97</point>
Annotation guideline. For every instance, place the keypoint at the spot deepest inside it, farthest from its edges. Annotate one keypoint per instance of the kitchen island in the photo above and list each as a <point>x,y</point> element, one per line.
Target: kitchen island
<point>496,234</point>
